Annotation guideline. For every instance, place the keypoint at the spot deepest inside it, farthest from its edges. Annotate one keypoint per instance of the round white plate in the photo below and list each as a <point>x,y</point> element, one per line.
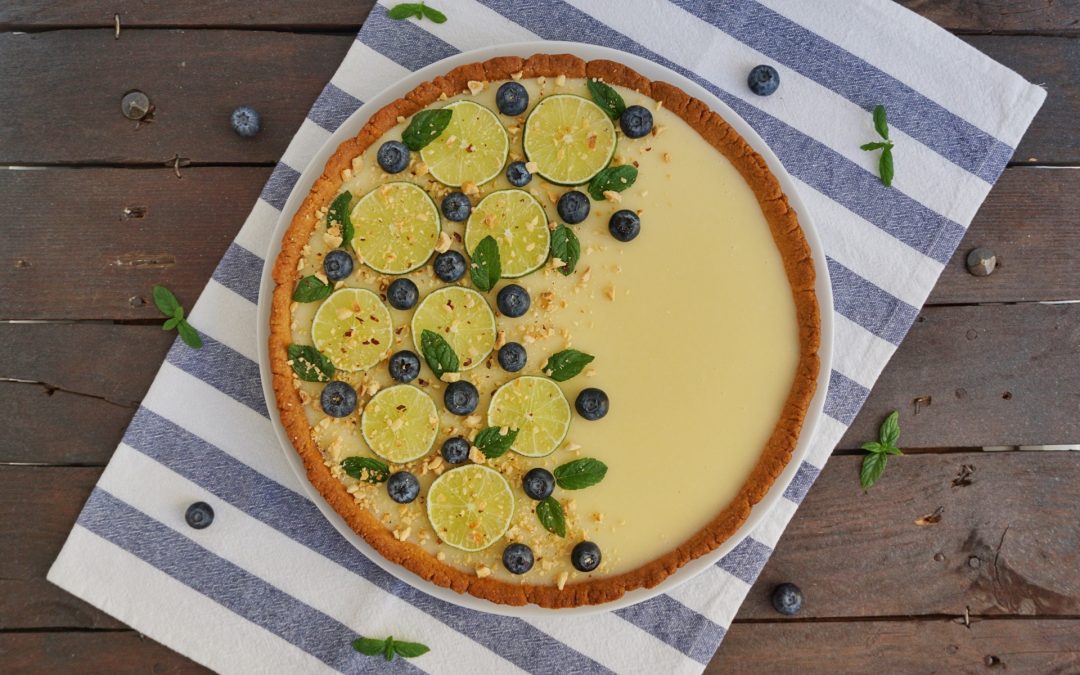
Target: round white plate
<point>653,71</point>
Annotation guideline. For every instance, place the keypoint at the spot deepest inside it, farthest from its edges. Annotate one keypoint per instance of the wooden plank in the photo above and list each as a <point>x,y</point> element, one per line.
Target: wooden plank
<point>109,652</point>
<point>194,78</point>
<point>39,604</point>
<point>987,16</point>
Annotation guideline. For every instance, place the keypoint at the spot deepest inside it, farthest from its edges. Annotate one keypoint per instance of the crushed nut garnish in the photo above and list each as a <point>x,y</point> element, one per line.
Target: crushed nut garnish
<point>547,298</point>
<point>358,163</point>
<point>475,87</point>
<point>500,339</point>
<point>610,292</point>
<point>400,119</point>
<point>666,157</point>
<point>402,535</point>
<point>450,377</point>
<point>561,582</point>
<point>483,571</point>
<point>346,174</point>
<point>443,244</point>
<point>469,188</point>
<point>518,75</point>
<point>531,167</point>
<point>560,80</point>
<point>476,456</point>
<point>440,556</point>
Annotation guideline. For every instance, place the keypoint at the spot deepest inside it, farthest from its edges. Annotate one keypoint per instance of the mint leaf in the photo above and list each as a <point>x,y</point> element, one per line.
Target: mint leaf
<point>178,313</point>
<point>438,353</point>
<point>171,323</point>
<point>339,214</point>
<point>580,473</point>
<point>425,127</point>
<point>388,649</point>
<point>310,289</point>
<point>493,443</point>
<point>873,465</point>
<point>566,247</point>
<point>369,646</point>
<point>309,364</point>
<point>486,267</point>
<point>880,123</point>
<point>889,433</point>
<point>551,516</point>
<point>561,366</point>
<point>438,17</point>
<point>189,335</point>
<point>165,301</point>
<point>874,146</point>
<point>873,446</point>
<point>885,167</point>
<point>613,178</point>
<point>410,649</point>
<point>366,469</point>
<point>405,10</point>
<point>607,98</point>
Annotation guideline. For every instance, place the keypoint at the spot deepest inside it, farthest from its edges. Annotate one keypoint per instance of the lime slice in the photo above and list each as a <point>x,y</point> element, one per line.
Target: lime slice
<point>570,138</point>
<point>463,318</point>
<point>472,148</point>
<point>397,226</point>
<point>536,407</point>
<point>352,328</point>
<point>400,423</point>
<point>470,507</point>
<point>519,225</point>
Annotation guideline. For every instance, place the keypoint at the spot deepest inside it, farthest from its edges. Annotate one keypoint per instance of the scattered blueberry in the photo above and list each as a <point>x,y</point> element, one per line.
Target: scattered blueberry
<point>450,266</point>
<point>573,207</point>
<point>199,515</point>
<point>455,450</point>
<point>538,483</point>
<point>512,357</point>
<point>404,366</point>
<point>338,399</point>
<point>246,121</point>
<point>591,403</point>
<point>512,98</point>
<point>517,175</point>
<point>402,294</point>
<point>518,558</point>
<point>763,80</point>
<point>456,207</point>
<point>393,156</point>
<point>337,264</point>
<point>787,599</point>
<point>461,397</point>
<point>635,121</point>
<point>585,557</point>
<point>624,225</point>
<point>513,300</point>
<point>403,487</point>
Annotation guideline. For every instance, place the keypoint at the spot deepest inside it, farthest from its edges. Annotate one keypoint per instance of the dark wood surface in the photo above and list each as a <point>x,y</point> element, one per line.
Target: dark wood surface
<point>990,362</point>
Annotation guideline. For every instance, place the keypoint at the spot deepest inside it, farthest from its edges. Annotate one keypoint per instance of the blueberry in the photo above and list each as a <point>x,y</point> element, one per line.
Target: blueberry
<point>573,207</point>
<point>513,300</point>
<point>585,557</point>
<point>517,175</point>
<point>450,266</point>
<point>199,515</point>
<point>337,264</point>
<point>512,357</point>
<point>518,558</point>
<point>635,121</point>
<point>624,225</point>
<point>455,450</point>
<point>787,599</point>
<point>763,80</point>
<point>512,99</point>
<point>393,156</point>
<point>456,207</point>
<point>538,483</point>
<point>404,366</point>
<point>402,294</point>
<point>338,399</point>
<point>246,121</point>
<point>461,397</point>
<point>591,403</point>
<point>403,487</point>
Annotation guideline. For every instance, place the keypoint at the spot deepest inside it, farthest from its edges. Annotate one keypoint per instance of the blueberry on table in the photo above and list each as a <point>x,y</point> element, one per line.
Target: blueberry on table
<point>461,397</point>
<point>338,265</point>
<point>402,294</point>
<point>393,156</point>
<point>624,225</point>
<point>404,366</point>
<point>512,357</point>
<point>403,487</point>
<point>787,599</point>
<point>591,403</point>
<point>450,266</point>
<point>513,300</point>
<point>338,399</point>
<point>517,558</point>
<point>585,557</point>
<point>199,515</point>
<point>511,98</point>
<point>635,121</point>
<point>538,483</point>
<point>573,207</point>
<point>246,121</point>
<point>763,80</point>
<point>456,207</point>
<point>455,450</point>
<point>517,175</point>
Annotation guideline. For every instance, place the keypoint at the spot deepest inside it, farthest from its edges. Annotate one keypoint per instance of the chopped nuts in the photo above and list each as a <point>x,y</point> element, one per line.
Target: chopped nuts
<point>469,188</point>
<point>443,244</point>
<point>610,292</point>
<point>476,456</point>
<point>531,167</point>
<point>483,571</point>
<point>560,80</point>
<point>561,582</point>
<point>450,377</point>
<point>476,86</point>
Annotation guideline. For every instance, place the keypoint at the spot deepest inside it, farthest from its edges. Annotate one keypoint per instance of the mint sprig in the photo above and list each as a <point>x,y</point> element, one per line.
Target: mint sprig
<point>309,364</point>
<point>612,179</point>
<point>339,214</point>
<point>419,10</point>
<point>168,305</point>
<point>873,464</point>
<point>486,267</point>
<point>366,469</point>
<point>885,163</point>
<point>561,366</point>
<point>607,98</point>
<point>425,127</point>
<point>580,473</point>
<point>493,442</point>
<point>310,289</point>
<point>550,513</point>
<point>438,353</point>
<point>389,647</point>
<point>566,247</point>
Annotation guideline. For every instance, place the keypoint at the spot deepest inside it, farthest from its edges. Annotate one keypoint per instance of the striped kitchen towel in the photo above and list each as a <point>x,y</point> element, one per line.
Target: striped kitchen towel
<point>272,587</point>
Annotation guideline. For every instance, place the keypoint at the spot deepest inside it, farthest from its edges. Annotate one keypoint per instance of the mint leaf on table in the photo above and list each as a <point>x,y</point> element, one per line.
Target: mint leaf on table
<point>550,513</point>
<point>566,247</point>
<point>438,353</point>
<point>612,179</point>
<point>885,163</point>
<point>425,127</point>
<point>369,646</point>
<point>366,469</point>
<point>885,166</point>
<point>432,14</point>
<point>165,301</point>
<point>880,122</point>
<point>607,98</point>
<point>310,289</point>
<point>580,473</point>
<point>389,647</point>
<point>873,464</point>
<point>493,443</point>
<point>486,267</point>
<point>189,335</point>
<point>167,304</point>
<point>874,146</point>
<point>405,10</point>
<point>410,649</point>
<point>339,214</point>
<point>309,364</point>
<point>561,366</point>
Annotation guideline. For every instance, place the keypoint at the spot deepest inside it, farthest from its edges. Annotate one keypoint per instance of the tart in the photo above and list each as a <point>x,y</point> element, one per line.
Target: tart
<point>544,331</point>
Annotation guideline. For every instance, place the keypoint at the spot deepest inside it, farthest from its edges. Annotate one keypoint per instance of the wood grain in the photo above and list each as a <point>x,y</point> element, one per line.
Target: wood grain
<point>986,16</point>
<point>116,653</point>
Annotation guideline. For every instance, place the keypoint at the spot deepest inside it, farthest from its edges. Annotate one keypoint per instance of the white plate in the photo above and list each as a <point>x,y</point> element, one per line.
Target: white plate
<point>653,71</point>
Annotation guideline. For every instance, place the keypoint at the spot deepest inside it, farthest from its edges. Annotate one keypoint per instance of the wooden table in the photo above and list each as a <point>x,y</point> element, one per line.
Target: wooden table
<point>114,207</point>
